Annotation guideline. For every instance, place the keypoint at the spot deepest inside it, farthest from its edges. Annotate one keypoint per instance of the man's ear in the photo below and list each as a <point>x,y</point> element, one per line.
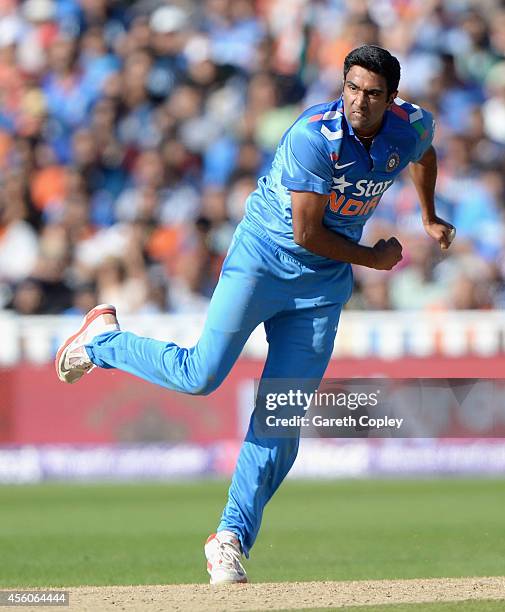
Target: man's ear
<point>391,98</point>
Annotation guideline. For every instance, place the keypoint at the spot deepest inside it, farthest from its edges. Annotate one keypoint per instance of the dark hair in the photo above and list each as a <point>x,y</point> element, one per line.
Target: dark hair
<point>378,60</point>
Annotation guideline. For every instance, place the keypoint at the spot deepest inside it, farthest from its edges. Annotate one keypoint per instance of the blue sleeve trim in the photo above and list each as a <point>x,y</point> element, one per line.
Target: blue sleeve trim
<point>321,188</point>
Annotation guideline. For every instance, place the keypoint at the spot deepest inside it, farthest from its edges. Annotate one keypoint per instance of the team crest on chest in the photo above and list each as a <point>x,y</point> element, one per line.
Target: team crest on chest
<point>393,162</point>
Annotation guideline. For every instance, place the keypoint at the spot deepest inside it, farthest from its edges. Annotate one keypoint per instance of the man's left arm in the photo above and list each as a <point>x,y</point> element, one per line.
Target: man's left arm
<point>424,176</point>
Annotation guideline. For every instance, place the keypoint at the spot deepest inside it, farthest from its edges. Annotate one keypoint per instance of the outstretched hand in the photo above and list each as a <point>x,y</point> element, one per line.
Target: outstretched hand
<point>441,231</point>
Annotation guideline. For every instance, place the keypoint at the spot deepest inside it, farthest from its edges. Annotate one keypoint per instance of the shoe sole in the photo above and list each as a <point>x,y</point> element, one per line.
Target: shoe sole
<point>94,313</point>
<point>243,581</point>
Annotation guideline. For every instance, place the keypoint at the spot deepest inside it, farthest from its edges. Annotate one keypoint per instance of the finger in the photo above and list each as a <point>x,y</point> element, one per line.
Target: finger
<point>447,237</point>
<point>394,241</point>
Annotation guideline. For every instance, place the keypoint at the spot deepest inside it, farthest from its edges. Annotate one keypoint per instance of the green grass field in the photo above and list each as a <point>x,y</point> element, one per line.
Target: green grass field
<point>65,535</point>
<point>456,606</point>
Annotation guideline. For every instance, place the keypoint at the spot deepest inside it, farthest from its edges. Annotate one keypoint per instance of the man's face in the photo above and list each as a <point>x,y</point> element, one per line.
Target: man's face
<point>365,100</point>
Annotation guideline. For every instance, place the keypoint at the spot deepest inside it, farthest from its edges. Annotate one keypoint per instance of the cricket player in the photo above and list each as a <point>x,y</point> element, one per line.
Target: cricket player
<point>288,267</point>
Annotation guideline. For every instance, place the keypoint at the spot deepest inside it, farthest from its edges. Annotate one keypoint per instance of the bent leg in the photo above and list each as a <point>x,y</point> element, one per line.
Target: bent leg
<point>197,370</point>
<point>236,308</point>
<point>300,347</point>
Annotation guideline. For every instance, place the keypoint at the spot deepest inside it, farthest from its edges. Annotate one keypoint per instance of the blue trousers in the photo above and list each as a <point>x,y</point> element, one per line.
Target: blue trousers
<point>300,308</point>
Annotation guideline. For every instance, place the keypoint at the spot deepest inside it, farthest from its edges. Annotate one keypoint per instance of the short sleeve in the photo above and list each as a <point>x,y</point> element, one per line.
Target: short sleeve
<point>425,128</point>
<point>306,164</point>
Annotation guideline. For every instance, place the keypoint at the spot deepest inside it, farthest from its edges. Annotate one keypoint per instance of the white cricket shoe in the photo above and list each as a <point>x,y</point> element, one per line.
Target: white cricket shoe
<point>72,360</point>
<point>224,558</point>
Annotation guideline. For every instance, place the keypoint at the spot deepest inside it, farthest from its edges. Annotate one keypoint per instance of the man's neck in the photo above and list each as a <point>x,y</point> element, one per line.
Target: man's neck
<point>370,133</point>
<point>366,136</point>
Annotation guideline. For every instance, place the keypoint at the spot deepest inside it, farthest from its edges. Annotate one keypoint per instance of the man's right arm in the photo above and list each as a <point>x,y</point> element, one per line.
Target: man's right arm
<point>310,233</point>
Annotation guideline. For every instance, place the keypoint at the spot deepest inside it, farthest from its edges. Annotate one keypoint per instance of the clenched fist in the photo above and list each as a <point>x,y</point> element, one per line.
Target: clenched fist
<point>387,253</point>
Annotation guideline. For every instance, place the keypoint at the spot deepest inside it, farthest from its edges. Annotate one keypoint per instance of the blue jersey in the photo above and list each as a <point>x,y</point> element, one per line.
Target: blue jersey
<point>321,153</point>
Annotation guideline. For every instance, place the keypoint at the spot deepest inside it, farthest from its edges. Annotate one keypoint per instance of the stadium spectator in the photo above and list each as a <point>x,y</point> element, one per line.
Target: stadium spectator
<point>131,134</point>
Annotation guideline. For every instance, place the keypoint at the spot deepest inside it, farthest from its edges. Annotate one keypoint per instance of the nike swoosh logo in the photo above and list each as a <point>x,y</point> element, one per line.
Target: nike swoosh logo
<point>337,167</point>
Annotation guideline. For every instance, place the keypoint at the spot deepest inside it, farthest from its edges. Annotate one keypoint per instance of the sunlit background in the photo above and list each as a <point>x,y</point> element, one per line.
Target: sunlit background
<point>131,134</point>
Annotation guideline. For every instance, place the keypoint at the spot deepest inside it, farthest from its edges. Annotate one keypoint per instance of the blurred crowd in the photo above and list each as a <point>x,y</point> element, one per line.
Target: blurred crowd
<point>131,134</point>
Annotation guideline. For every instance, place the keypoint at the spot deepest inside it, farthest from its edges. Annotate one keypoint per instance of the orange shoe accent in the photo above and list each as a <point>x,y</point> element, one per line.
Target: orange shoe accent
<point>93,314</point>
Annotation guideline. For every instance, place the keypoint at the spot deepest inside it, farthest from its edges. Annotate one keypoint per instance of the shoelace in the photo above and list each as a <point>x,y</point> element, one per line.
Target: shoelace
<point>82,363</point>
<point>230,555</point>
<point>80,360</point>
